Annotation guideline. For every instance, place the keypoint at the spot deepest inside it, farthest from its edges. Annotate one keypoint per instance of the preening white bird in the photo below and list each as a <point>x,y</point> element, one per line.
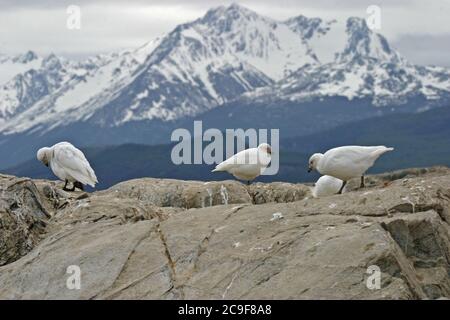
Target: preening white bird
<point>346,162</point>
<point>326,186</point>
<point>247,164</point>
<point>69,164</point>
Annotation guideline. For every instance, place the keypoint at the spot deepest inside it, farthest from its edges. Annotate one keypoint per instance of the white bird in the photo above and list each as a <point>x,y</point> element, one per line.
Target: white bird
<point>247,164</point>
<point>326,186</point>
<point>69,164</point>
<point>346,162</point>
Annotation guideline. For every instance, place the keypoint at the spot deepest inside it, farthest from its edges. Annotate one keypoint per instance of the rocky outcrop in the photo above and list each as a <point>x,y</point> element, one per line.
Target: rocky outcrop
<point>169,239</point>
<point>22,218</point>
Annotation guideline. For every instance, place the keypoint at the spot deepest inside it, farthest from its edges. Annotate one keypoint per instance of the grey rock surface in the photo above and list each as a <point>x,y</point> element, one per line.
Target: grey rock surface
<point>169,239</point>
<point>22,217</point>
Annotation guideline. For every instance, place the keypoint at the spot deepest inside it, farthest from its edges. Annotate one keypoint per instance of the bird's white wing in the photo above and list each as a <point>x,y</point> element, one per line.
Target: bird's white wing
<point>351,154</point>
<point>350,161</point>
<point>244,157</point>
<point>75,164</point>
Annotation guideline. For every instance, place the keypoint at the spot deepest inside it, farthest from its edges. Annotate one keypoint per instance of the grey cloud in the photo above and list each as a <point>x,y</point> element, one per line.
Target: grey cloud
<point>324,4</point>
<point>425,49</point>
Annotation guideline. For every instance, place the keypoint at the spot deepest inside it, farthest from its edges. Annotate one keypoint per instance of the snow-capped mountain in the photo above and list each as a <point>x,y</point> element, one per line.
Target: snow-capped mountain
<point>13,65</point>
<point>34,79</point>
<point>230,56</point>
<point>57,87</point>
<point>385,83</point>
<point>366,67</point>
<point>202,64</point>
<point>199,65</point>
<point>35,82</point>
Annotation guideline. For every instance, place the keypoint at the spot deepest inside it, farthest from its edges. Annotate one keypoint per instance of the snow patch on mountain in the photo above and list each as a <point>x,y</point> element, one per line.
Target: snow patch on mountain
<point>385,83</point>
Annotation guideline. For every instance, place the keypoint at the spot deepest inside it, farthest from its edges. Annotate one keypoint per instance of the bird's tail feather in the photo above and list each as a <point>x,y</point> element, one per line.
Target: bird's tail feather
<point>381,151</point>
<point>221,167</point>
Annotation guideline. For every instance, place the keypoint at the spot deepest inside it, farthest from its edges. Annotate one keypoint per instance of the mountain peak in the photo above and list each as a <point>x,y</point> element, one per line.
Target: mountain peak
<point>363,42</point>
<point>358,27</point>
<point>232,12</point>
<point>51,62</point>
<point>25,57</point>
<point>238,8</point>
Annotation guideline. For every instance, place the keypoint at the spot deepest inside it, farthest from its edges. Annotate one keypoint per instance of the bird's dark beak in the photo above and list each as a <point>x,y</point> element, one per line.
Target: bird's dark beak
<point>269,150</point>
<point>309,170</point>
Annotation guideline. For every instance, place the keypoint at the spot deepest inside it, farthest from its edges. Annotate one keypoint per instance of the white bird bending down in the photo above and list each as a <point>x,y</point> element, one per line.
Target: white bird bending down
<point>346,162</point>
<point>69,164</point>
<point>326,186</point>
<point>247,164</point>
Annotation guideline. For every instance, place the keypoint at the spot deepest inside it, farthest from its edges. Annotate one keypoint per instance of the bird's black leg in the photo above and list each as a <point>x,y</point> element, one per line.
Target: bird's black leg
<point>78,185</point>
<point>342,188</point>
<point>362,182</point>
<point>73,188</point>
<point>65,186</point>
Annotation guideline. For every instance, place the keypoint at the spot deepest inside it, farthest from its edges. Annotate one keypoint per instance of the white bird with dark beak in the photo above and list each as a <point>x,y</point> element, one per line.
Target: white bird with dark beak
<point>247,164</point>
<point>346,162</point>
<point>69,164</point>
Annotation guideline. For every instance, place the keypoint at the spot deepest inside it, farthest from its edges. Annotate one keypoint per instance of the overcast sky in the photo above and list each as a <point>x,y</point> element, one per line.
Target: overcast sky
<point>419,29</point>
